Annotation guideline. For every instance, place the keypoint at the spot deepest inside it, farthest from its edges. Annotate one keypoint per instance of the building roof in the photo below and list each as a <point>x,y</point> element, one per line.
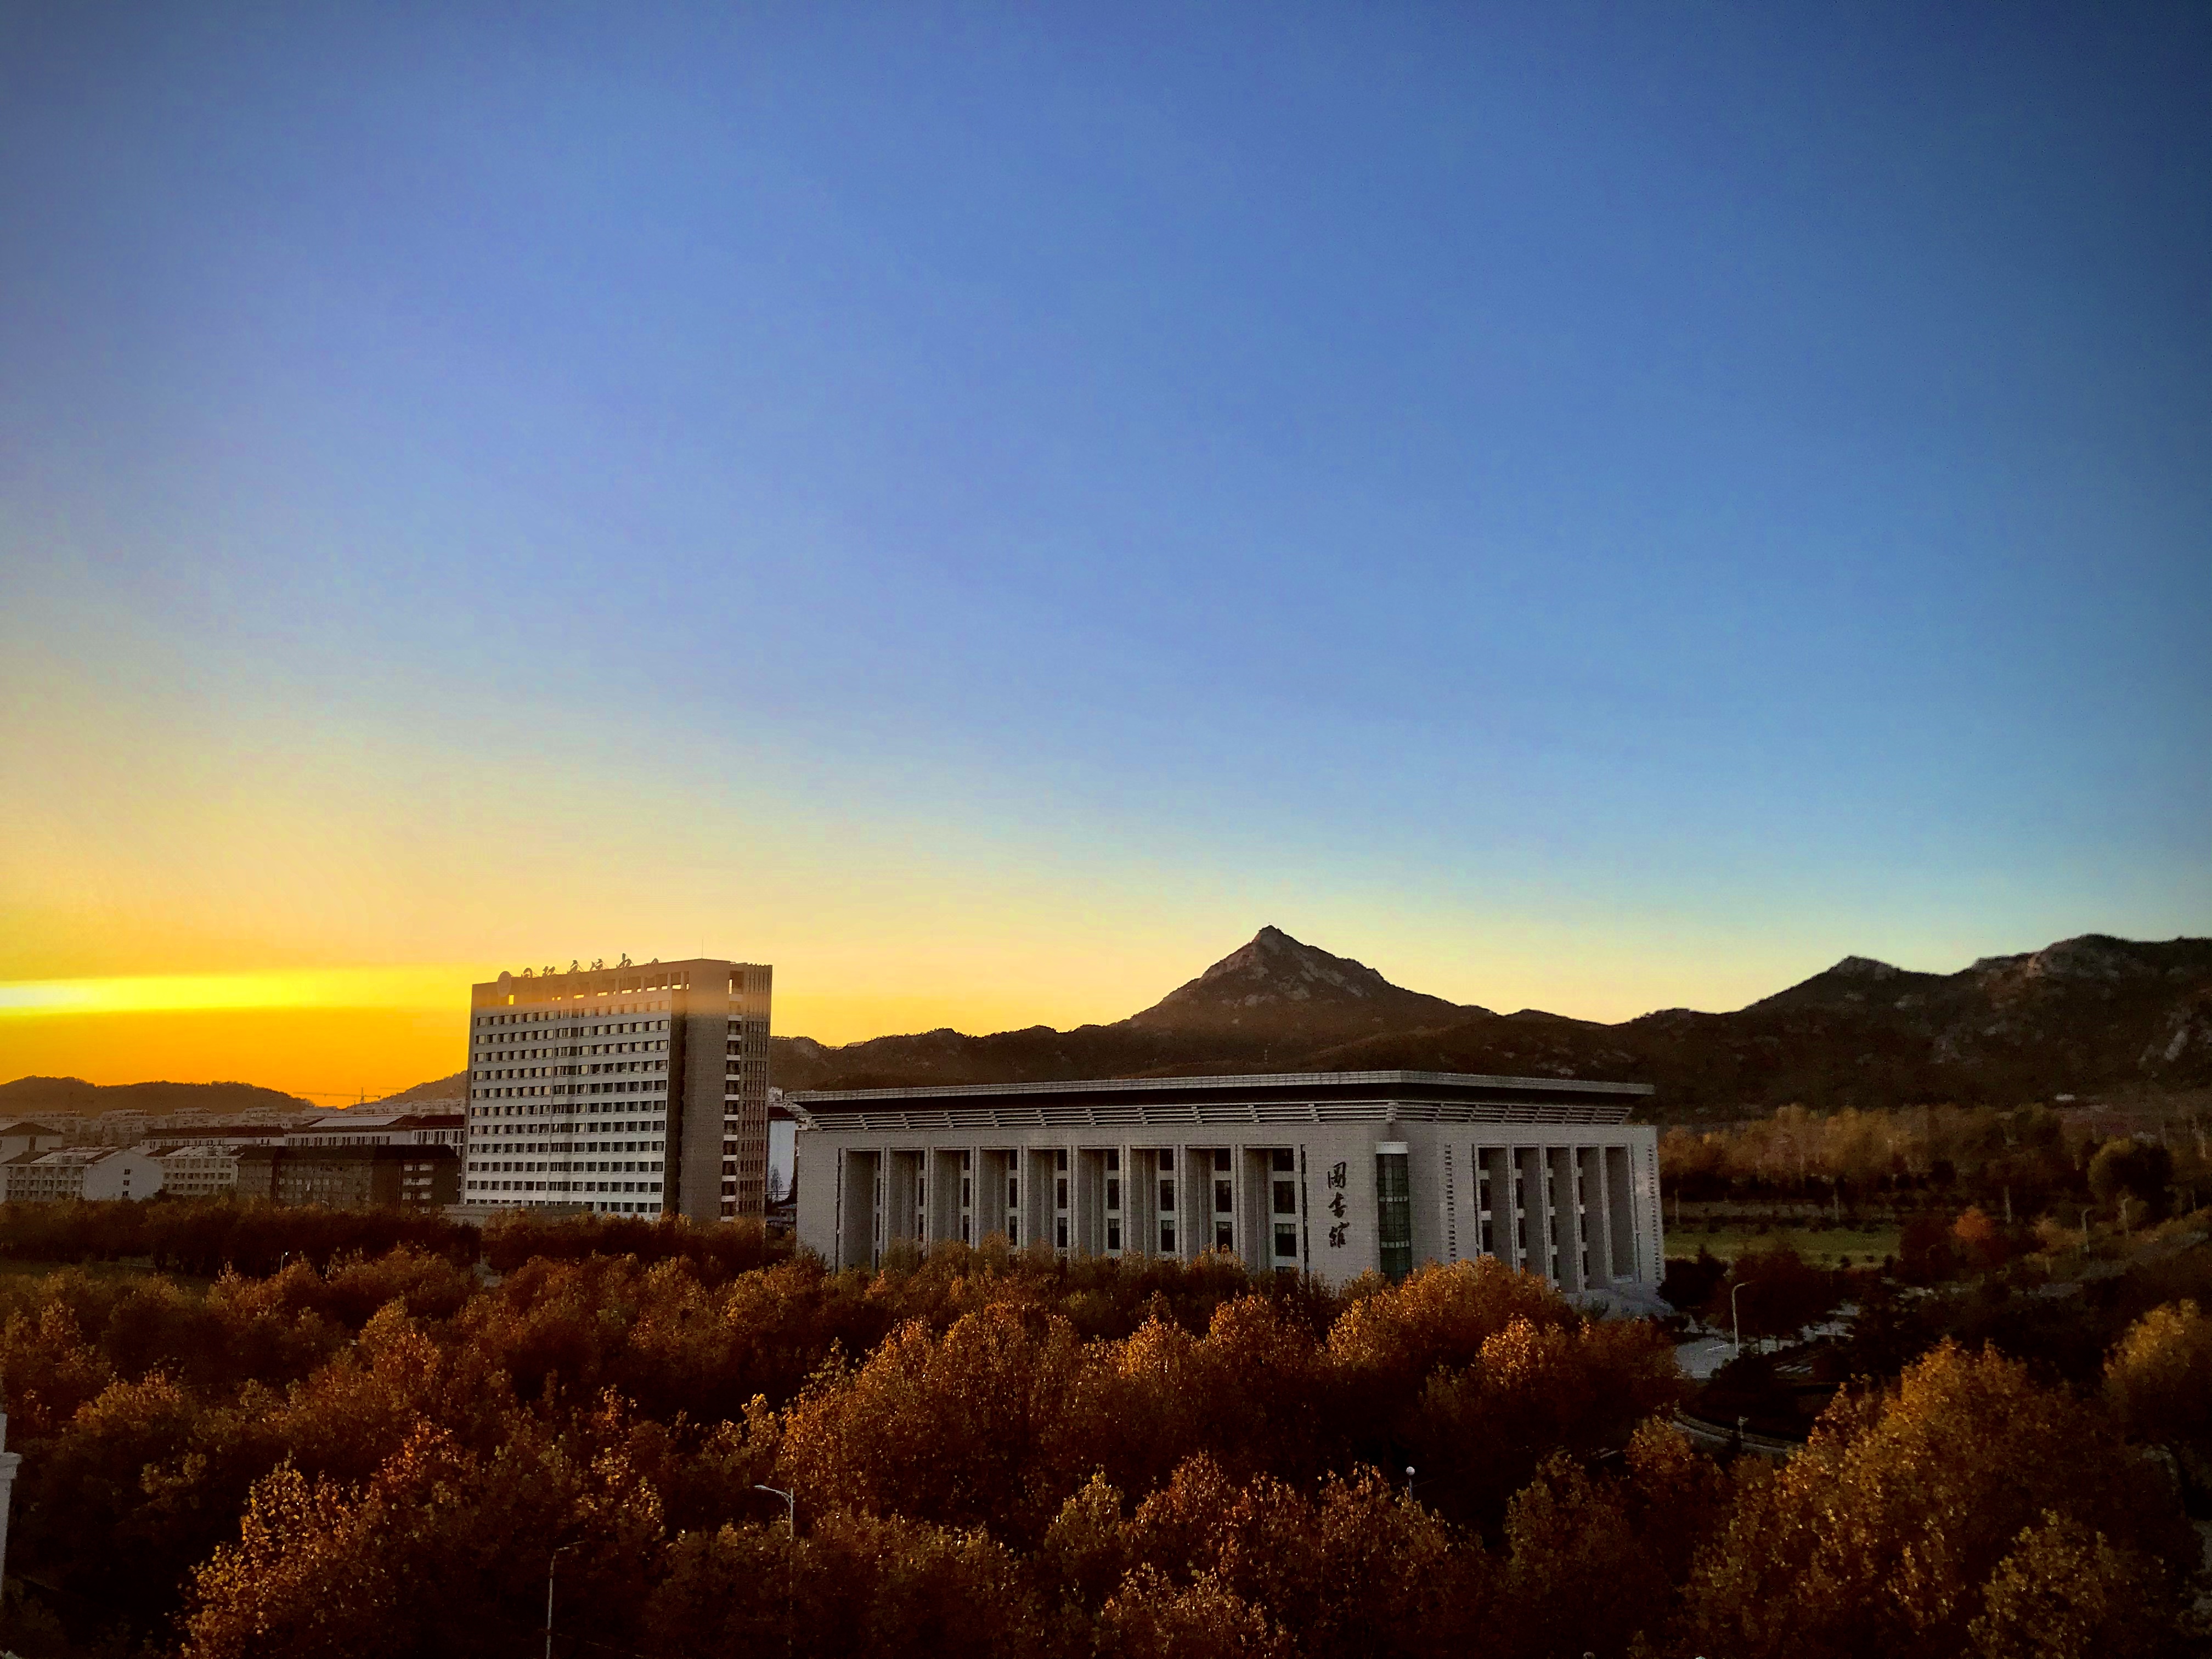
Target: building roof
<point>1265,1097</point>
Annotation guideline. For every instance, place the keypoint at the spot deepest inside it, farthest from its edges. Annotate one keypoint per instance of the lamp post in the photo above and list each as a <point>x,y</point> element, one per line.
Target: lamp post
<point>2085,1233</point>
<point>551,1561</point>
<point>791,1563</point>
<point>1736,1316</point>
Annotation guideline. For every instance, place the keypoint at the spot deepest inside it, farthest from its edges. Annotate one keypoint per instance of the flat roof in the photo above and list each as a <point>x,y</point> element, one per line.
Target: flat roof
<point>1443,1088</point>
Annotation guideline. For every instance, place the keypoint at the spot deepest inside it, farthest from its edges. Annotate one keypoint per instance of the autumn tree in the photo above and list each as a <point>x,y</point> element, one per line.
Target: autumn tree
<point>1884,1534</point>
<point>2065,1592</point>
<point>2136,1171</point>
<point>1634,1527</point>
<point>2159,1382</point>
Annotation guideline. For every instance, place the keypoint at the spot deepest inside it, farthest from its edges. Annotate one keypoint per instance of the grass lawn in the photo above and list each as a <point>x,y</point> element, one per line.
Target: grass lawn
<point>1824,1247</point>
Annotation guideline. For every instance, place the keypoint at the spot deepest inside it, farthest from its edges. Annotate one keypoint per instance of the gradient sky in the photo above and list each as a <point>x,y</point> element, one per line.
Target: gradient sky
<point>1600,508</point>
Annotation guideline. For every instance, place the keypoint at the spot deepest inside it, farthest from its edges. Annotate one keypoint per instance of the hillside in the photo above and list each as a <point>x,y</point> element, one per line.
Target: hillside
<point>453,1090</point>
<point>2088,1015</point>
<point>27,1096</point>
<point>2080,1016</point>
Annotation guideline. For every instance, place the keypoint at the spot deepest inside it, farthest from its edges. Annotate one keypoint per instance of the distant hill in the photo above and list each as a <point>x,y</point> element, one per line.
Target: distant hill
<point>2080,1017</point>
<point>2084,1015</point>
<point>1280,991</point>
<point>27,1096</point>
<point>1268,1005</point>
<point>454,1088</point>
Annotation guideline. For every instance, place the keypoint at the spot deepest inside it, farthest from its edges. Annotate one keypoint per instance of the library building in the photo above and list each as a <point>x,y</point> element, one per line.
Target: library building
<point>1332,1173</point>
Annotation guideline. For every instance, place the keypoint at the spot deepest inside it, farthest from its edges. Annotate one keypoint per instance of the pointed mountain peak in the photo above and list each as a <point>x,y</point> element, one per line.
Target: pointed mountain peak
<point>1274,978</point>
<point>1853,979</point>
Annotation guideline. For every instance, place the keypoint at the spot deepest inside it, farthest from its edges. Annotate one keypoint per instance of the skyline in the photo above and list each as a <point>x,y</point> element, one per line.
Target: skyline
<point>1600,512</point>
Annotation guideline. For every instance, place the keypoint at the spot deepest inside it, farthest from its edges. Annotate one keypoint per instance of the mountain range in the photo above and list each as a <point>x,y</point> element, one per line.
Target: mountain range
<point>2082,1016</point>
<point>2085,1016</point>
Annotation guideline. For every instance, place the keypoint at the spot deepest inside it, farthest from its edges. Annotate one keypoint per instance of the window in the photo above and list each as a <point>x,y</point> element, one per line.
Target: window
<point>1222,1202</point>
<point>1060,1233</point>
<point>1393,1203</point>
<point>1222,1237</point>
<point>1282,1160</point>
<point>1059,1194</point>
<point>1286,1241</point>
<point>1113,1192</point>
<point>1167,1238</point>
<point>1113,1233</point>
<point>1167,1159</point>
<point>1286,1198</point>
<point>1013,1192</point>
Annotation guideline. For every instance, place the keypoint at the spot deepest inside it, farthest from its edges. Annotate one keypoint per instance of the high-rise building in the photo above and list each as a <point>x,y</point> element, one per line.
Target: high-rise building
<point>625,1091</point>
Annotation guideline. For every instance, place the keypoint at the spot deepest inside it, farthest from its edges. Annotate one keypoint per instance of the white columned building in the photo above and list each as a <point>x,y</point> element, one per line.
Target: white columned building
<point>1332,1173</point>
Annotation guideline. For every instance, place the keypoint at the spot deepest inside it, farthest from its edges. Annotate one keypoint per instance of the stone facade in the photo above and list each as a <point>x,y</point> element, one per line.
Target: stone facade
<point>1335,1174</point>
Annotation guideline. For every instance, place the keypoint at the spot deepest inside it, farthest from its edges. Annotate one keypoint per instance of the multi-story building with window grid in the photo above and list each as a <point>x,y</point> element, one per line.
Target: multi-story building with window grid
<point>625,1091</point>
<point>1332,1173</point>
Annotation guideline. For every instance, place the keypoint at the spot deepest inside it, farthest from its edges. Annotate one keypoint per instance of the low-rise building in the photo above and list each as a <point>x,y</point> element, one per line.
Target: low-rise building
<point>81,1172</point>
<point>23,1135</point>
<point>403,1176</point>
<point>197,1171</point>
<point>1332,1173</point>
<point>359,1128</point>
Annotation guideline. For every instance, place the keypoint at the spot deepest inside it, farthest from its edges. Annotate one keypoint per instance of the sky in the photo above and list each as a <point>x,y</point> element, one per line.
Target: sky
<point>1593,507</point>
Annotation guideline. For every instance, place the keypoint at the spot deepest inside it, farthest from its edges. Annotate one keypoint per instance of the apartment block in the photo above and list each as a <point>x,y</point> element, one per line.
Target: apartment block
<point>406,1177</point>
<point>197,1171</point>
<point>85,1172</point>
<point>627,1090</point>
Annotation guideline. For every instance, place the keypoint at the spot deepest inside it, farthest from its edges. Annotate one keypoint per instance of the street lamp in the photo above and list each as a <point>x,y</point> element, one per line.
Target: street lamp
<point>551,1561</point>
<point>790,1506</point>
<point>791,1563</point>
<point>2085,1231</point>
<point>1735,1317</point>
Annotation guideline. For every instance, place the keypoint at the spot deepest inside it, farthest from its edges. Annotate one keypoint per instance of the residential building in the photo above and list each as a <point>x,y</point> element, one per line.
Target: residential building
<point>405,1176</point>
<point>1335,1174</point>
<point>227,1137</point>
<point>629,1090</point>
<point>22,1135</point>
<point>358,1128</point>
<point>82,1172</point>
<point>198,1171</point>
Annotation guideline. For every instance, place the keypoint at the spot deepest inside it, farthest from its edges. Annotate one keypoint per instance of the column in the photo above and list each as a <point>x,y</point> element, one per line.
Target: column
<point>1566,1218</point>
<point>1597,1215</point>
<point>1532,1220</point>
<point>858,1173</point>
<point>1621,1208</point>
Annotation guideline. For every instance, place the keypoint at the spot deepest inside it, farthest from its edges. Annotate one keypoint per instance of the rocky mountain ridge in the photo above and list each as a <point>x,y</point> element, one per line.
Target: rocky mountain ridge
<point>2083,1015</point>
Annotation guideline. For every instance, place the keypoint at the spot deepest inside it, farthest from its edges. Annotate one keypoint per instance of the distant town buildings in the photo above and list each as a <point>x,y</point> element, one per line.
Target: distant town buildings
<point>1335,1174</point>
<point>626,1090</point>
<point>23,1135</point>
<point>410,1159</point>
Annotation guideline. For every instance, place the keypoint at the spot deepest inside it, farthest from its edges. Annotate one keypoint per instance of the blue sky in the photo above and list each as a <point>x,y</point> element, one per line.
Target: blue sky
<point>1603,507</point>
